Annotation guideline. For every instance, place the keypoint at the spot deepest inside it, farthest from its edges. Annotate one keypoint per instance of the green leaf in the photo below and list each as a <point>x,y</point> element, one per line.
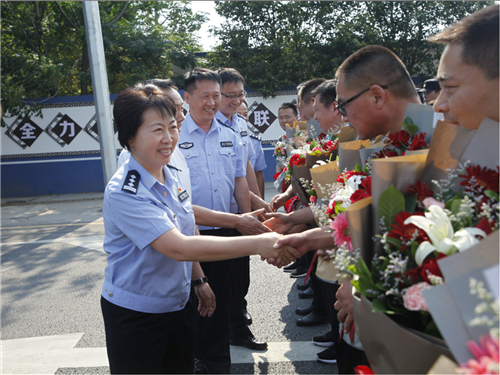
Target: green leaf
<point>414,247</point>
<point>394,241</point>
<point>391,202</point>
<point>353,269</point>
<point>492,195</point>
<point>364,269</point>
<point>409,121</point>
<point>411,203</point>
<point>432,329</point>
<point>380,306</point>
<point>454,205</point>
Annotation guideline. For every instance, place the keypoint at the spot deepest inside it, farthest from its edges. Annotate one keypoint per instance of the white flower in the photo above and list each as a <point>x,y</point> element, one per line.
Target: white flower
<point>438,227</point>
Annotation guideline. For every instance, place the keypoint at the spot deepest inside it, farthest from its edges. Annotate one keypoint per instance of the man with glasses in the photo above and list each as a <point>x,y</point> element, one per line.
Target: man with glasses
<point>232,95</point>
<point>373,90</point>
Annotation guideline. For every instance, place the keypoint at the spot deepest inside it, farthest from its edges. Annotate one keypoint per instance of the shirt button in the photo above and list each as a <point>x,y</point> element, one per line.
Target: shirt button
<point>209,154</point>
<point>175,216</point>
<point>213,172</point>
<point>165,193</point>
<point>187,154</point>
<point>215,189</point>
<point>182,305</point>
<point>183,299</point>
<point>229,153</point>
<point>110,294</point>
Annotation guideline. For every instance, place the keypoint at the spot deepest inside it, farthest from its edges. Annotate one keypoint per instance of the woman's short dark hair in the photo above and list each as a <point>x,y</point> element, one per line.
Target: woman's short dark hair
<point>130,105</point>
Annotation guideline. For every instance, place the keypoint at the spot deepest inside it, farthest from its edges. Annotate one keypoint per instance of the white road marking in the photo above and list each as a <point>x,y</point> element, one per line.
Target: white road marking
<point>90,242</point>
<point>45,355</point>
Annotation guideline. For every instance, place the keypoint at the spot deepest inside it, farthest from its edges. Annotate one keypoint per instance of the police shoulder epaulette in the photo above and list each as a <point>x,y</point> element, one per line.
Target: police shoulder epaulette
<point>173,167</point>
<point>131,183</point>
<point>226,125</point>
<point>254,136</point>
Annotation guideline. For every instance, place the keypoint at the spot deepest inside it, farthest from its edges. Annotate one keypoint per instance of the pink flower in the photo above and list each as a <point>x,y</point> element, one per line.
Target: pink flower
<point>341,233</point>
<point>413,299</point>
<point>431,201</point>
<point>487,357</point>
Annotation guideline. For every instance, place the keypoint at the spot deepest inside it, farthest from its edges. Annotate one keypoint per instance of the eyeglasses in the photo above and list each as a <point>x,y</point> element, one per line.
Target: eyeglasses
<point>243,95</point>
<point>340,107</point>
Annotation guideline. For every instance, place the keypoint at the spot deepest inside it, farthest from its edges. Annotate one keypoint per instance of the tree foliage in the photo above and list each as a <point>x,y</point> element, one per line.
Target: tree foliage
<point>277,44</point>
<point>44,47</point>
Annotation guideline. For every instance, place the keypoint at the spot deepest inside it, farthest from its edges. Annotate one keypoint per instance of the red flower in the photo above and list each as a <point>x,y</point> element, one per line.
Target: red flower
<point>331,211</point>
<point>321,136</point>
<point>405,233</point>
<point>485,177</point>
<point>347,175</point>
<point>418,142</point>
<point>363,370</point>
<point>430,267</point>
<point>367,185</point>
<point>400,139</point>
<point>386,153</point>
<point>297,160</point>
<point>358,195</point>
<point>330,146</point>
<point>420,189</point>
<point>485,226</point>
<point>312,199</point>
<point>414,273</point>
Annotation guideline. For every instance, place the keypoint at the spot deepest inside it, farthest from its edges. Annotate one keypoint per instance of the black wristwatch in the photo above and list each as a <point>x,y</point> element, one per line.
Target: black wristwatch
<point>199,281</point>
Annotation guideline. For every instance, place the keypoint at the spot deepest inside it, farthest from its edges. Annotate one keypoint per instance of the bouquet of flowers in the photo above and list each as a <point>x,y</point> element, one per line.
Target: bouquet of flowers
<point>416,232</point>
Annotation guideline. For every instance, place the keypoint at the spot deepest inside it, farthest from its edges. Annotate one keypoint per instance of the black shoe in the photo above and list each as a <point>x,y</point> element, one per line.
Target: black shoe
<point>248,317</point>
<point>200,367</point>
<point>304,311</point>
<point>301,271</point>
<point>303,286</point>
<point>308,293</point>
<point>327,356</point>
<point>325,340</point>
<point>249,342</point>
<point>311,319</point>
<point>291,267</point>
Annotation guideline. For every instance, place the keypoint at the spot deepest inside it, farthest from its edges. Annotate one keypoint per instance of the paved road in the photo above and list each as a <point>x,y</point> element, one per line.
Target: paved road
<point>52,270</point>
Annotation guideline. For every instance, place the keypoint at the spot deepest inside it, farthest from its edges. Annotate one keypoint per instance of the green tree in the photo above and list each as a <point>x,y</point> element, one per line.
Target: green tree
<point>276,45</point>
<point>44,47</point>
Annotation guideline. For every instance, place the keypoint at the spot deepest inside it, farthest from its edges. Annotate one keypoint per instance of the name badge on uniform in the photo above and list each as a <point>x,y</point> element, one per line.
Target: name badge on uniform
<point>131,182</point>
<point>243,133</point>
<point>186,145</point>
<point>227,144</point>
<point>183,195</point>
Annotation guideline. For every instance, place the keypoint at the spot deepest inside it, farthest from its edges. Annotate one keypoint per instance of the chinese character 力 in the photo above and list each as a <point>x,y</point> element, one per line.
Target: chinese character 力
<point>65,124</point>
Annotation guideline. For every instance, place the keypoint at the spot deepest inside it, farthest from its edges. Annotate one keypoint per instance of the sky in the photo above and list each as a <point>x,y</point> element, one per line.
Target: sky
<point>206,40</point>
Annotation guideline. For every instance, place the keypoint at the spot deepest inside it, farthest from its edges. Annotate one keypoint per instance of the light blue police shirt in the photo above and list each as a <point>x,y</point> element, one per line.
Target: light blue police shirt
<point>239,124</point>
<point>214,160</point>
<point>177,159</point>
<point>259,161</point>
<point>137,209</point>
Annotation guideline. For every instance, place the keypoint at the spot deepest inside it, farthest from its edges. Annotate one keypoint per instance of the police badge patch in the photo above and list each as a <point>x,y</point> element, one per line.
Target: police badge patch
<point>227,144</point>
<point>186,145</point>
<point>131,183</point>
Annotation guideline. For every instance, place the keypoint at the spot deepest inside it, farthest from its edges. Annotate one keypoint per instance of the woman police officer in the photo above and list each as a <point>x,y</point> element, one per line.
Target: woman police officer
<point>153,254</point>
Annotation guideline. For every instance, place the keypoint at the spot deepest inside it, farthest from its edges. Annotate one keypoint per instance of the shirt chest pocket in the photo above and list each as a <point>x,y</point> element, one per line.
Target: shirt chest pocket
<point>193,161</point>
<point>227,159</point>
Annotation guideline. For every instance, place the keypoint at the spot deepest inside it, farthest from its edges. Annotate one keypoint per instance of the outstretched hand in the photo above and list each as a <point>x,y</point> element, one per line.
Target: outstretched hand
<point>278,222</point>
<point>278,201</point>
<point>279,257</point>
<point>248,224</point>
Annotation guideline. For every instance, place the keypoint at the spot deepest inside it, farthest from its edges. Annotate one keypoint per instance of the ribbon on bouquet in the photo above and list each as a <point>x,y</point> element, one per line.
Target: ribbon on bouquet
<point>311,266</point>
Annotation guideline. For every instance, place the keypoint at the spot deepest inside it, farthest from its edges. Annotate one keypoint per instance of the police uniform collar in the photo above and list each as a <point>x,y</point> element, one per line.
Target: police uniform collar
<point>191,126</point>
<point>241,117</point>
<point>174,167</point>
<point>147,178</point>
<point>224,124</point>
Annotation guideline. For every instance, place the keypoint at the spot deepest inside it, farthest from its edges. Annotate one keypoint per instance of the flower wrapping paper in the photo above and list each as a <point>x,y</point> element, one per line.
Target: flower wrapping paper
<point>391,348</point>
